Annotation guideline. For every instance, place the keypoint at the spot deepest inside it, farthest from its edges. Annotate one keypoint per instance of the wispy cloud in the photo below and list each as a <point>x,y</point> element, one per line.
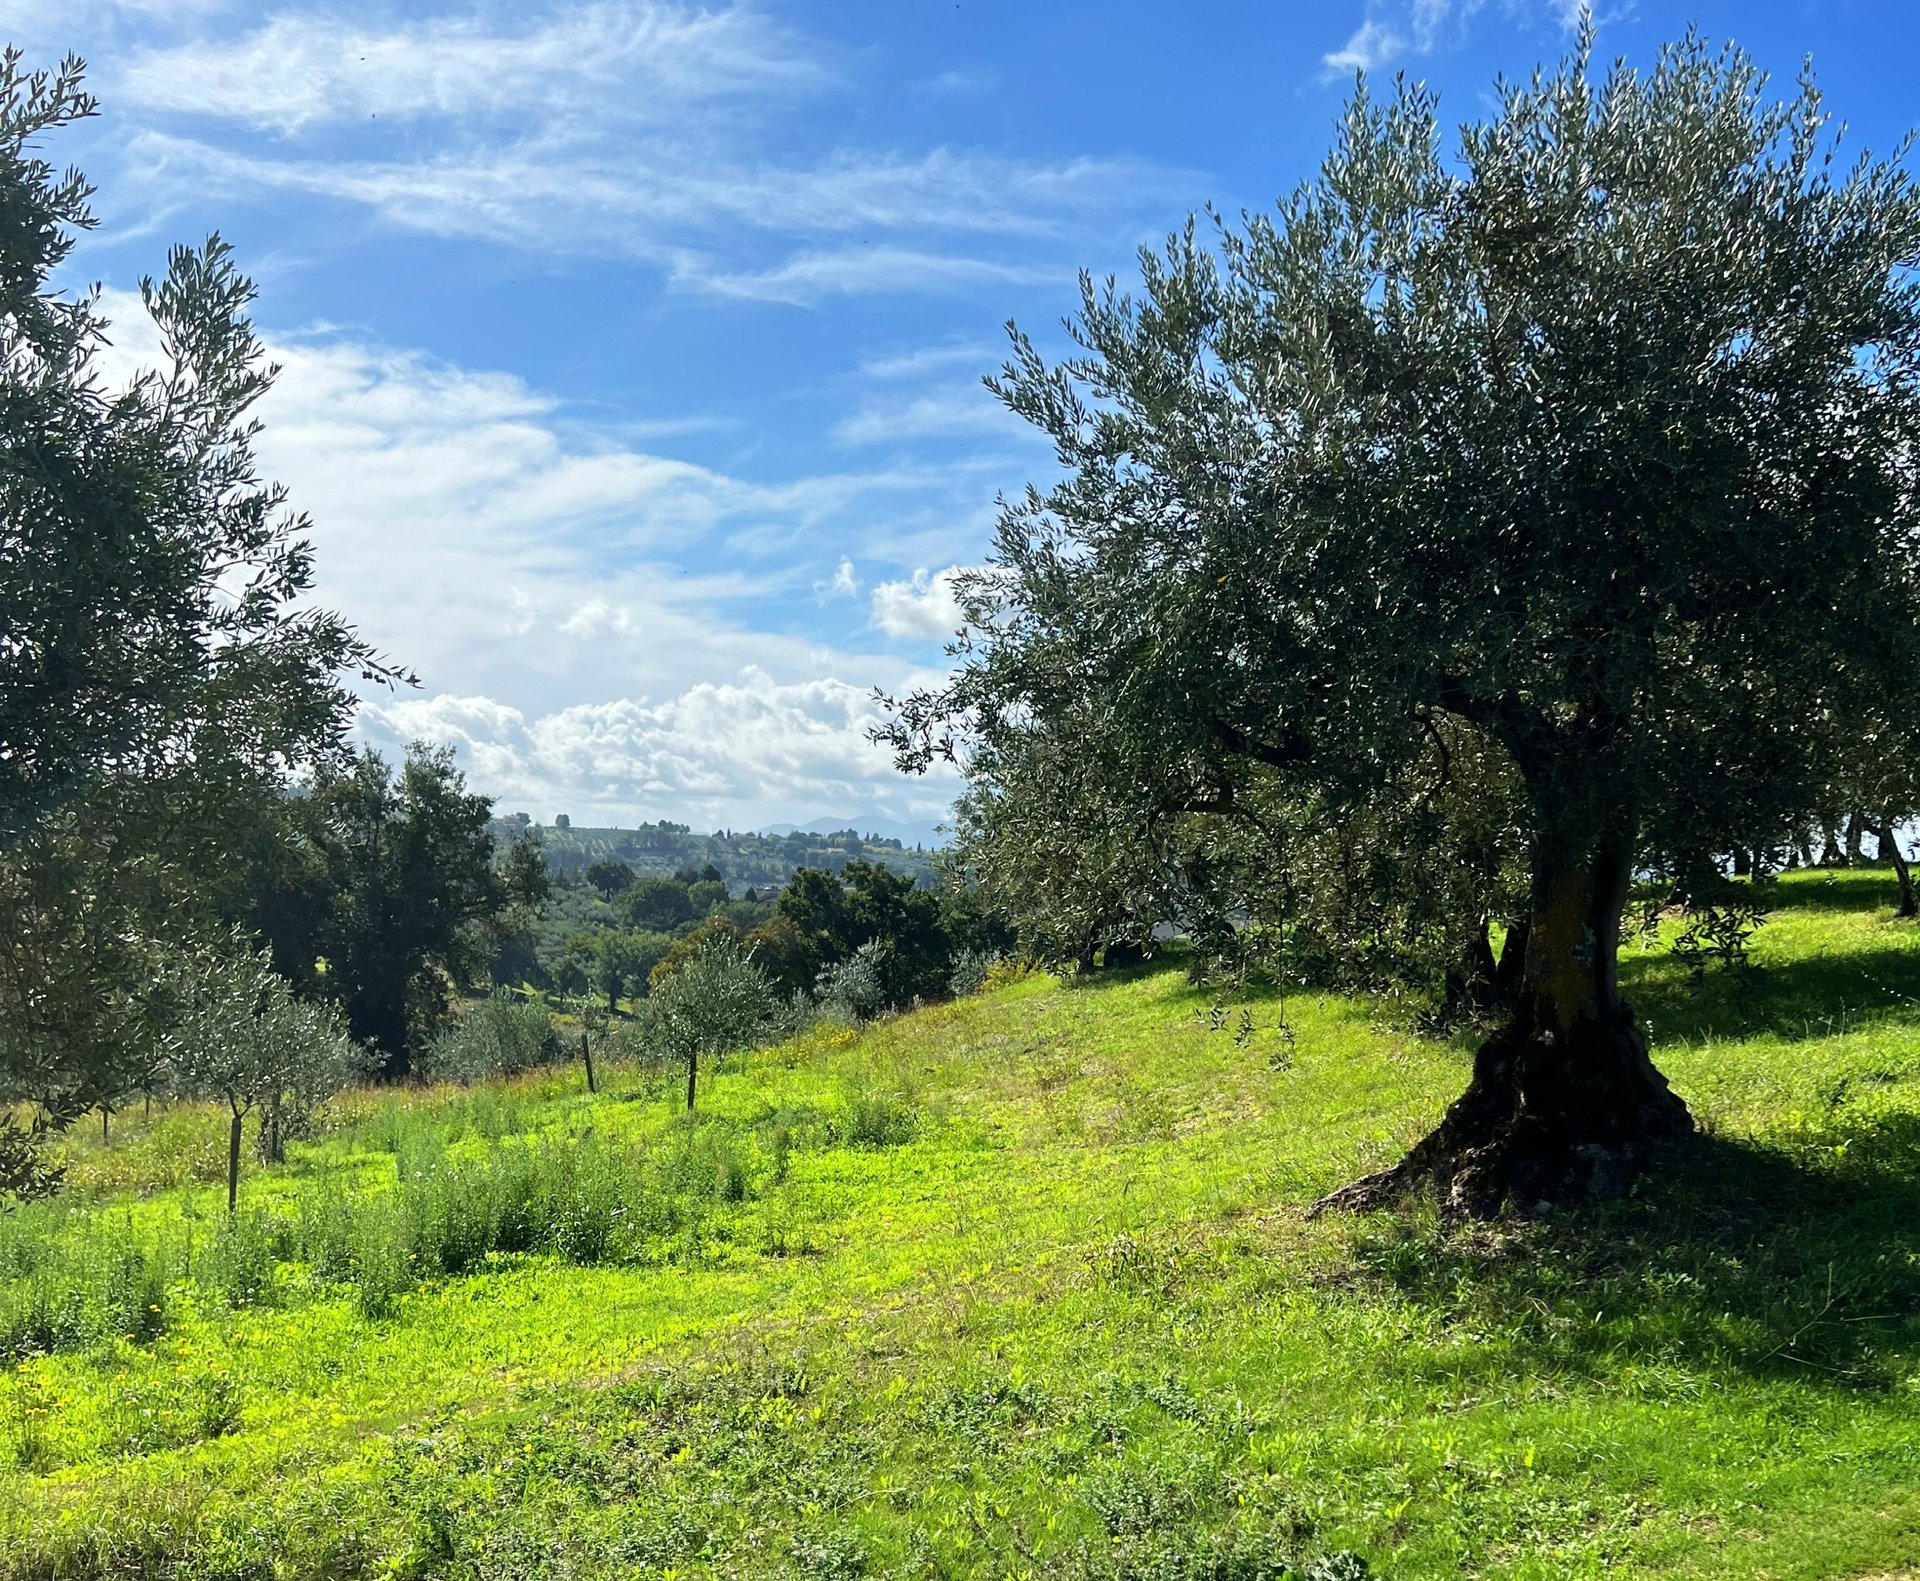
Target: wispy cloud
<point>1393,31</point>
<point>808,277</point>
<point>627,128</point>
<point>968,409</point>
<point>634,61</point>
<point>982,357</point>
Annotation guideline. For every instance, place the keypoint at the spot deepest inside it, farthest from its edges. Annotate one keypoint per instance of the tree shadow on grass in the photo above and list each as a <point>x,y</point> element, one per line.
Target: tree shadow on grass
<point>1863,888</point>
<point>1812,996</point>
<point>1735,1257</point>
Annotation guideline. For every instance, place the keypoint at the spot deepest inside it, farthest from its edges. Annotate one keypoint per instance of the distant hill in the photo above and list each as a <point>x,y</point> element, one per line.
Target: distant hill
<point>928,834</point>
<point>743,856</point>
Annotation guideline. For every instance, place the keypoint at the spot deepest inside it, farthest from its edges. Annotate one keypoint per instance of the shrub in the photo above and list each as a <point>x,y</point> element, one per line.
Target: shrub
<point>971,970</point>
<point>500,1036</point>
<point>857,986</point>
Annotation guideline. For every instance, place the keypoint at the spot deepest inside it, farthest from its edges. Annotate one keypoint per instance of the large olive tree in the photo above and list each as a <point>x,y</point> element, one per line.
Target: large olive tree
<point>1593,434</point>
<point>162,667</point>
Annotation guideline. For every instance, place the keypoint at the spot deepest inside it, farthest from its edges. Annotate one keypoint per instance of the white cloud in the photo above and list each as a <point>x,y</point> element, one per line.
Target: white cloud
<point>700,218</point>
<point>647,60</point>
<point>979,356</point>
<point>1372,45</point>
<point>925,607</point>
<point>1394,30</point>
<point>557,580</point>
<point>747,750</point>
<point>808,277</point>
<point>626,128</point>
<point>969,409</point>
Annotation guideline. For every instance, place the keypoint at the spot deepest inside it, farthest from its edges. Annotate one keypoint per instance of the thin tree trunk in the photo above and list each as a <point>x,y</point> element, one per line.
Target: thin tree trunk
<point>105,1112</point>
<point>1829,844</point>
<point>693,1076</point>
<point>586,1058</point>
<point>1742,862</point>
<point>1856,830</point>
<point>1890,851</point>
<point>1564,1102</point>
<point>233,1163</point>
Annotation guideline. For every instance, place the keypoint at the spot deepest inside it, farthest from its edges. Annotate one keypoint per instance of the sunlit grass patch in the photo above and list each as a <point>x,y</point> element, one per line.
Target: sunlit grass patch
<point>1018,1285</point>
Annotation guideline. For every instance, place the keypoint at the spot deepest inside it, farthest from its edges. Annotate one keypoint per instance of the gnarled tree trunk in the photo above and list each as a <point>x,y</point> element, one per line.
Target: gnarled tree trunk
<point>1564,1102</point>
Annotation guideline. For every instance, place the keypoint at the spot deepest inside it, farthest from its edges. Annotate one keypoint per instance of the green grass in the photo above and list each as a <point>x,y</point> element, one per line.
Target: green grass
<point>1017,1286</point>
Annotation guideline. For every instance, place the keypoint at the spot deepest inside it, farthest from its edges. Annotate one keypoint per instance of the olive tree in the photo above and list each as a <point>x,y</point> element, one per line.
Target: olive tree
<point>713,1003</point>
<point>1593,435</point>
<point>161,663</point>
<point>243,1039</point>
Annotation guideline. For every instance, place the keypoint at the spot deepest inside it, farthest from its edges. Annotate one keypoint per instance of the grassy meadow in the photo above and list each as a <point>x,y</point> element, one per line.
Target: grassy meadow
<point>1019,1285</point>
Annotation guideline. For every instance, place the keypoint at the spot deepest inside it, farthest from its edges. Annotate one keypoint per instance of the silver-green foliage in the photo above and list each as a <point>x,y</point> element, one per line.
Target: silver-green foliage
<point>501,1036</point>
<point>856,988</point>
<point>715,1003</point>
<point>244,1039</point>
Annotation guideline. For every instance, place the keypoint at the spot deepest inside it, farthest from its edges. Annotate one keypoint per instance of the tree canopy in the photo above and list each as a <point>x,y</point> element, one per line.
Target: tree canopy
<point>1592,438</point>
<point>149,579</point>
<point>163,673</point>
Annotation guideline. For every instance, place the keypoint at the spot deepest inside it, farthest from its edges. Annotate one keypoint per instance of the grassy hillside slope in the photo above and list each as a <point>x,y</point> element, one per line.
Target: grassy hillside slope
<point>1017,1286</point>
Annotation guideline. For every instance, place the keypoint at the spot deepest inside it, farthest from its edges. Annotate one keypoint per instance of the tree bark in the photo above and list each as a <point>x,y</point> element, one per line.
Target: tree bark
<point>1829,844</point>
<point>233,1163</point>
<point>586,1057</point>
<point>693,1076</point>
<point>1890,851</point>
<point>1564,1102</point>
<point>1856,830</point>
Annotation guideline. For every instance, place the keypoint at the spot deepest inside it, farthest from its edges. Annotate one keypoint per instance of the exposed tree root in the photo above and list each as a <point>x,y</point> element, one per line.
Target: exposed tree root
<point>1549,1118</point>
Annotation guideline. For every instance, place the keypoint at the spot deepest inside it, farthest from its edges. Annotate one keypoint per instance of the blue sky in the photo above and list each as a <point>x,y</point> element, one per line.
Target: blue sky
<point>632,350</point>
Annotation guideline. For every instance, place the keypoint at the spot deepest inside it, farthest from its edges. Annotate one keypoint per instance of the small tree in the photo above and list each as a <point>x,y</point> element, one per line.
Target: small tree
<point>714,1003</point>
<point>244,1039</point>
<point>610,877</point>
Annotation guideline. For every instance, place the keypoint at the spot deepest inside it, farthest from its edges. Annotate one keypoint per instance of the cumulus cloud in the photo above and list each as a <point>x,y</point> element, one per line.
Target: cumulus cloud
<point>542,576</point>
<point>926,607</point>
<point>747,750</point>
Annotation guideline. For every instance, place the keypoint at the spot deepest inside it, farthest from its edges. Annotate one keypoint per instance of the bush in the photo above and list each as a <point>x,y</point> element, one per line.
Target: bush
<point>500,1036</point>
<point>857,987</point>
<point>65,1291</point>
<point>971,970</point>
